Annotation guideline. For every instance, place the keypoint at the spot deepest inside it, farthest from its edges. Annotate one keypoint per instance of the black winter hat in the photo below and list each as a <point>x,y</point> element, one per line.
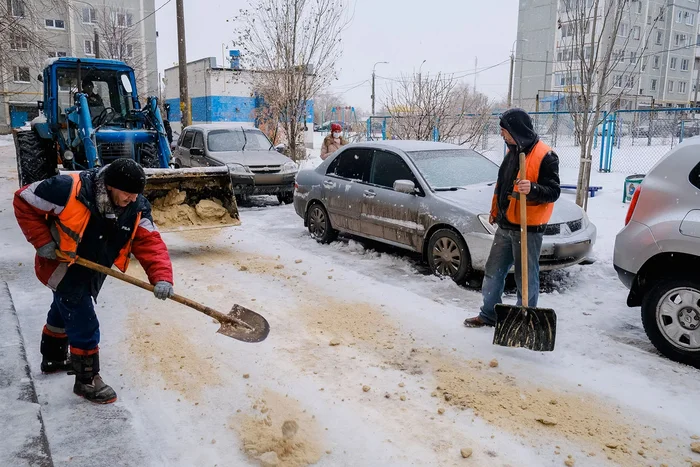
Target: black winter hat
<point>126,175</point>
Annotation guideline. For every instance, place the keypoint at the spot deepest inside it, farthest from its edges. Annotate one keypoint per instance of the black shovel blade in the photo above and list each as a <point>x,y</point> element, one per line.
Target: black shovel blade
<point>256,327</point>
<point>530,328</point>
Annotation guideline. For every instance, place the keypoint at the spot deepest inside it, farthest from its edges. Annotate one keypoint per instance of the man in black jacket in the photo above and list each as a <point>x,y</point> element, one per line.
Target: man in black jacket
<point>541,187</point>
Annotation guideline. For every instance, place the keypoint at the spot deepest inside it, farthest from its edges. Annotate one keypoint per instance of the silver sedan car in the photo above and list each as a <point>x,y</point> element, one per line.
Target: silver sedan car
<point>431,198</point>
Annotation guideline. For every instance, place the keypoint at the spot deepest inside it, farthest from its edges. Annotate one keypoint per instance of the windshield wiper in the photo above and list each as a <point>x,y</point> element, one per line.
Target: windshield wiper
<point>245,139</point>
<point>450,188</point>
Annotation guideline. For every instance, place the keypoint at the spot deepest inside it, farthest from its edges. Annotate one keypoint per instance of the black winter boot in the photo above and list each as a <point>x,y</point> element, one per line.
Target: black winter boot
<point>88,382</point>
<point>54,352</point>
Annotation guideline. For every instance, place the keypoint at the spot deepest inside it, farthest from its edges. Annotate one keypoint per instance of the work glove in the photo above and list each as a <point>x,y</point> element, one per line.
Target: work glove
<point>47,251</point>
<point>163,290</point>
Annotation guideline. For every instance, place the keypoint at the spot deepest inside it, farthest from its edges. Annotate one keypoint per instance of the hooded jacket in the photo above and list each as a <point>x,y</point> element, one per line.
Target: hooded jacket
<point>543,190</point>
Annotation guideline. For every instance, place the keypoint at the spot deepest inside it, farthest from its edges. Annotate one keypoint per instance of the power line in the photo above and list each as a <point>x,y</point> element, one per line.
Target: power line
<point>151,14</point>
<point>452,74</point>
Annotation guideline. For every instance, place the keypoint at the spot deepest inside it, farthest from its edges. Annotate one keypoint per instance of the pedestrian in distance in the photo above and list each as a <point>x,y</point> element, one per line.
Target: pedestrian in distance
<point>333,142</point>
<point>541,187</point>
<point>100,215</point>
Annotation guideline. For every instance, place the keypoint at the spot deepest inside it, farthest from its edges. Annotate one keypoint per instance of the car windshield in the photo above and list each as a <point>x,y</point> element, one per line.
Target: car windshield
<point>237,140</point>
<point>452,168</point>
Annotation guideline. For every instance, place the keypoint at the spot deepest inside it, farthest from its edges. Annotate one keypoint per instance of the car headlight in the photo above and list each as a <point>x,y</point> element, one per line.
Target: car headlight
<point>239,168</point>
<point>290,167</point>
<point>484,218</point>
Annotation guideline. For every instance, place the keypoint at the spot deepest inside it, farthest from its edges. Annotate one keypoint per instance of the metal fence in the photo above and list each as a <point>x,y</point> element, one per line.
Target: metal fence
<point>626,141</point>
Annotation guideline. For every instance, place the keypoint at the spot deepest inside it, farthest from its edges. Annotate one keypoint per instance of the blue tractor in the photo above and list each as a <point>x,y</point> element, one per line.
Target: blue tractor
<point>92,115</point>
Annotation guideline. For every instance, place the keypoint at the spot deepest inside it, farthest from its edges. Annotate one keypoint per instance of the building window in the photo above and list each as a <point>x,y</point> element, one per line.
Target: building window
<point>685,63</point>
<point>656,62</point>
<point>653,84</point>
<point>682,87</point>
<point>649,20</point>
<point>689,18</point>
<point>630,81</point>
<point>681,40</point>
<point>672,63</point>
<point>659,37</point>
<point>639,7</point>
<point>55,24</point>
<point>662,12</point>
<point>89,48</point>
<point>636,32</point>
<point>123,20</point>
<point>617,81</point>
<point>16,7</point>
<point>19,42</point>
<point>624,30</point>
<point>679,16</point>
<point>633,57</point>
<point>89,15</point>
<point>21,74</point>
<point>670,86</point>
<point>57,54</point>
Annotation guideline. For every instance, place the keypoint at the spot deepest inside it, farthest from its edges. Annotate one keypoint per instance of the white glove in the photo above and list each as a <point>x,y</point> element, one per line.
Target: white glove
<point>163,290</point>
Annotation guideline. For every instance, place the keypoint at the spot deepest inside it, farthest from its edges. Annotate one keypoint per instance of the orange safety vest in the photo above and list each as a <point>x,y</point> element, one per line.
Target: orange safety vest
<point>537,214</point>
<point>71,224</point>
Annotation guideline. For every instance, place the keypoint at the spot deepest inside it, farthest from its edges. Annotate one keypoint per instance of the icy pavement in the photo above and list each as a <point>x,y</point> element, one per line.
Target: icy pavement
<point>406,383</point>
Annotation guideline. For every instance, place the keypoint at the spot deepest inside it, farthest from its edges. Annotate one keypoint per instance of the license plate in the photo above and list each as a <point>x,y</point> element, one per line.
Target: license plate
<point>572,249</point>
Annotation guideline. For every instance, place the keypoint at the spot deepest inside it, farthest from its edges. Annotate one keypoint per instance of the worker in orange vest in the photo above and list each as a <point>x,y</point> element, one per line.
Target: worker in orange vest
<point>100,215</point>
<point>541,187</point>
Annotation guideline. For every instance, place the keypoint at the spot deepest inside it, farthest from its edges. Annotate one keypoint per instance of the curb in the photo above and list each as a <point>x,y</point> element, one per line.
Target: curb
<point>22,433</point>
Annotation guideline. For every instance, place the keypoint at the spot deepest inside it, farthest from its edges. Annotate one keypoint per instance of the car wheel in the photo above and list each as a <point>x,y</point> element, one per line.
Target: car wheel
<point>320,224</point>
<point>448,255</point>
<point>671,318</point>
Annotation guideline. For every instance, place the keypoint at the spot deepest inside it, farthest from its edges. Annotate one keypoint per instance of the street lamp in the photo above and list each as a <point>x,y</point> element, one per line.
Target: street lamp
<point>373,75</point>
<point>512,61</point>
<point>420,81</point>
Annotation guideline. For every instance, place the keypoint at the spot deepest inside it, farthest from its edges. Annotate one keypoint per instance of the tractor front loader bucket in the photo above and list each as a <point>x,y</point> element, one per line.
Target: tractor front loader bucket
<point>189,199</point>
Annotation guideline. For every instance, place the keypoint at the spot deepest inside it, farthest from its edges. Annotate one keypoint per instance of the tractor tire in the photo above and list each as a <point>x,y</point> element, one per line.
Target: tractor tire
<point>149,156</point>
<point>35,160</point>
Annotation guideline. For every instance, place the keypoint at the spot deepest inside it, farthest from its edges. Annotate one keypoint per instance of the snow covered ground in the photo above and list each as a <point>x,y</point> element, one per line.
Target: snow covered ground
<point>406,385</point>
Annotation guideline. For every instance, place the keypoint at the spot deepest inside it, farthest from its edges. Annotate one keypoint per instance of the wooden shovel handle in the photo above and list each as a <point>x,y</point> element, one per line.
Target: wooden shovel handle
<point>523,234</point>
<point>222,318</point>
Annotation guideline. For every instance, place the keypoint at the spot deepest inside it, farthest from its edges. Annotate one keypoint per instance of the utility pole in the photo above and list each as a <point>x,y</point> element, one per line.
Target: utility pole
<point>97,44</point>
<point>186,117</point>
<point>510,81</point>
<point>420,83</point>
<point>373,77</point>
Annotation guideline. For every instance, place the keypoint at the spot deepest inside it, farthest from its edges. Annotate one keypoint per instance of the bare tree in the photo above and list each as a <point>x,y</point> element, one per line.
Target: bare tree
<point>293,47</point>
<point>425,108</point>
<point>601,57</point>
<point>120,40</point>
<point>20,42</point>
<point>324,104</point>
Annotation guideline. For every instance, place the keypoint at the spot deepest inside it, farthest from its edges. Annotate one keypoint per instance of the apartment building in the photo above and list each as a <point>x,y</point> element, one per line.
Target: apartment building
<point>124,29</point>
<point>655,55</point>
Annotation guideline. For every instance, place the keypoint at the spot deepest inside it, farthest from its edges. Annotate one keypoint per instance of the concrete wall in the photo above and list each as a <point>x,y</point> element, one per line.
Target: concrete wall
<point>534,51</point>
<point>218,95</point>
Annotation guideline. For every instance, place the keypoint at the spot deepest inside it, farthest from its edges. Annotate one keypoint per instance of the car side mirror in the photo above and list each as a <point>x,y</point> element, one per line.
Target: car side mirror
<point>196,152</point>
<point>280,148</point>
<point>405,186</point>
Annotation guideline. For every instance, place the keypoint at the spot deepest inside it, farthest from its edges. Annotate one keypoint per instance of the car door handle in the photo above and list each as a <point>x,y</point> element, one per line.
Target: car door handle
<point>369,194</point>
<point>329,184</point>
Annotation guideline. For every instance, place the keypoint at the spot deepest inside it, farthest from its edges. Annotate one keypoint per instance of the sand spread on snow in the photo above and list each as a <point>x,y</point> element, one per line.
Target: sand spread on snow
<point>171,211</point>
<point>279,425</point>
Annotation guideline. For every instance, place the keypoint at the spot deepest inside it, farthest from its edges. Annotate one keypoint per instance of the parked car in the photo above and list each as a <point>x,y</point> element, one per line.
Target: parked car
<point>432,198</point>
<point>657,253</point>
<point>689,128</point>
<point>257,168</point>
<point>658,128</point>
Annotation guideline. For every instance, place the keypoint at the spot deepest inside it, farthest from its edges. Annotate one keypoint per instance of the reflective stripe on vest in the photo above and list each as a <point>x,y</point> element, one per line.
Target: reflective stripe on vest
<point>73,221</point>
<point>537,214</point>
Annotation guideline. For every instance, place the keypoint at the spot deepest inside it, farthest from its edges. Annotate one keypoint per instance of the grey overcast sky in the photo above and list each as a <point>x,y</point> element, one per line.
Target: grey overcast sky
<point>448,34</point>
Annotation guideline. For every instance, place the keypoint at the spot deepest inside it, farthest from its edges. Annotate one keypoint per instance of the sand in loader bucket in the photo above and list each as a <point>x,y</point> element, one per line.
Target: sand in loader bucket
<point>171,212</point>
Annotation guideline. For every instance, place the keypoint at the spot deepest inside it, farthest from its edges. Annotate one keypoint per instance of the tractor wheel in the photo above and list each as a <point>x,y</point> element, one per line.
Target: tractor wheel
<point>149,156</point>
<point>35,158</point>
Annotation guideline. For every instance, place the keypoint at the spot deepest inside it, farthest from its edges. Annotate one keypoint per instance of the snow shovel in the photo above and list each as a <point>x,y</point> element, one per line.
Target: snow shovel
<point>240,323</point>
<point>523,326</point>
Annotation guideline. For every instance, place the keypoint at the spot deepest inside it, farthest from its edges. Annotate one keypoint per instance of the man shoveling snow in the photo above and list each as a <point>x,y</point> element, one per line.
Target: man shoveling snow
<point>99,215</point>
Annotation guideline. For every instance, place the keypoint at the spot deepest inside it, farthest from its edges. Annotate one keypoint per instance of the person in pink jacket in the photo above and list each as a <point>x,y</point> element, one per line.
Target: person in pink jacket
<point>333,142</point>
